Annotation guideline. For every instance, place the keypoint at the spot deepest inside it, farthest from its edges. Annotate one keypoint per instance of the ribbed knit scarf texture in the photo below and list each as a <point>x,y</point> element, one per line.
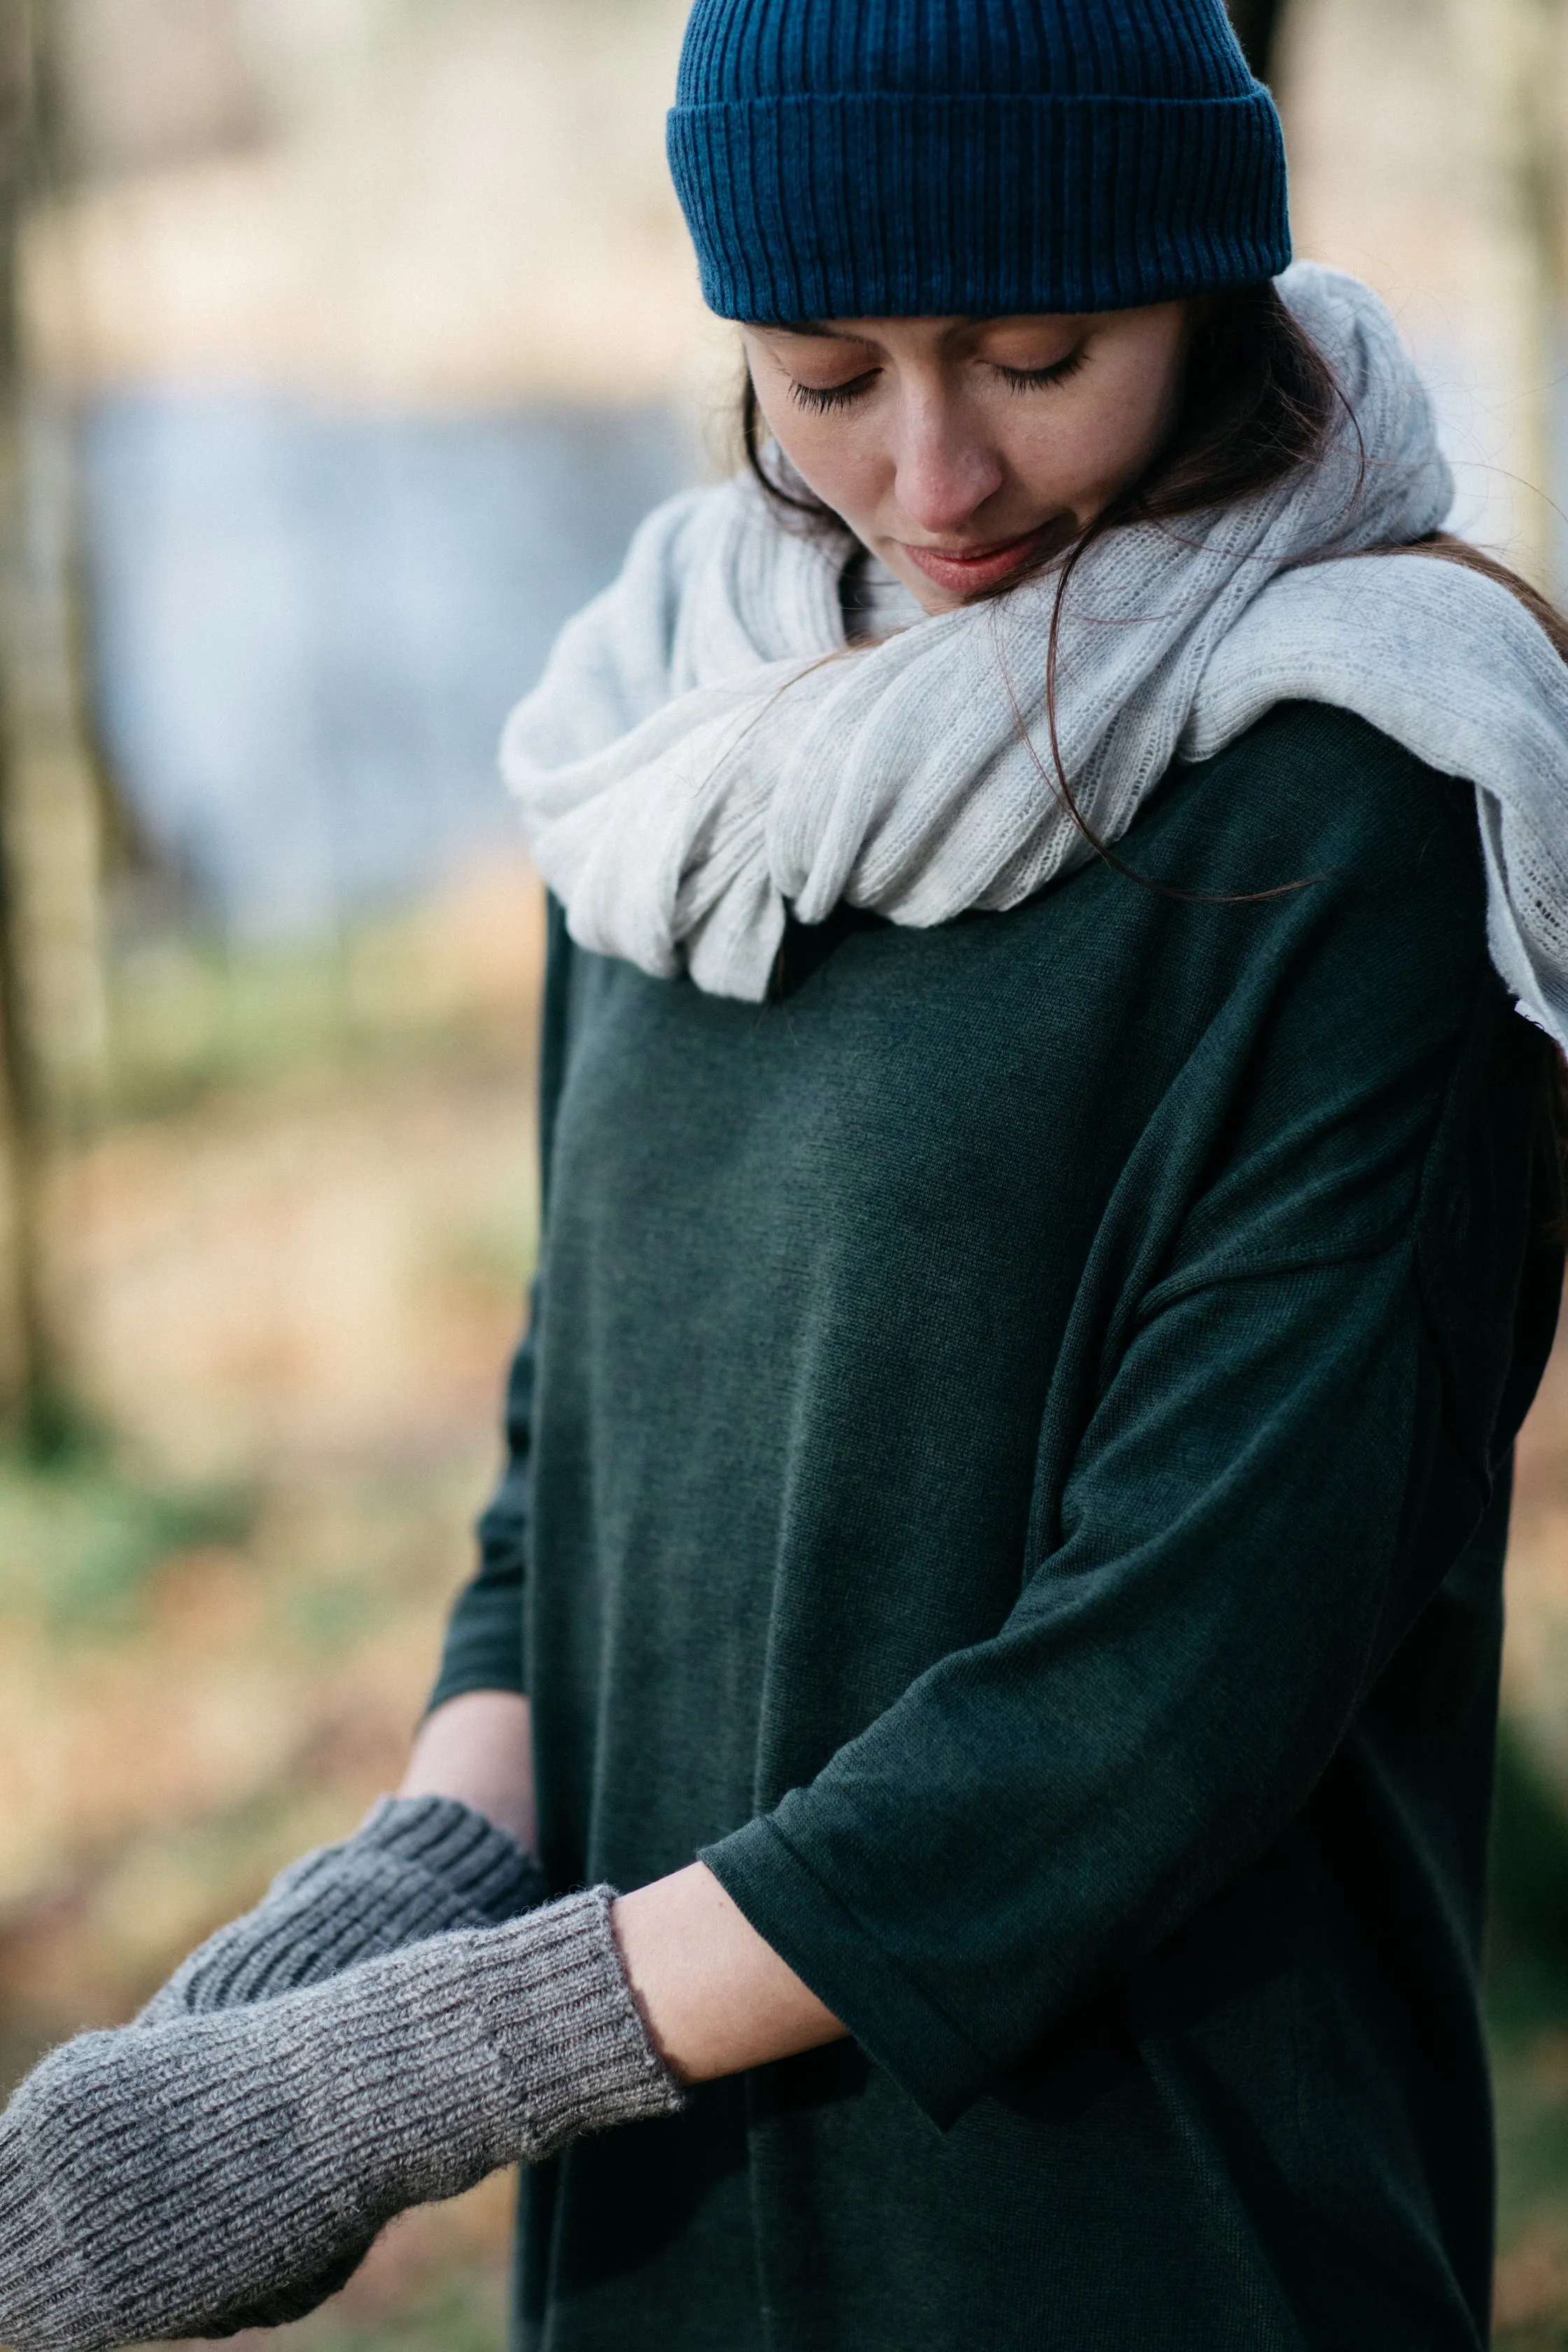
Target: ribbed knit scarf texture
<point>703,755</point>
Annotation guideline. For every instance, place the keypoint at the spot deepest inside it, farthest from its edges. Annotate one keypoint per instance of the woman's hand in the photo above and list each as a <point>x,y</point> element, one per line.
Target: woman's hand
<point>415,1866</point>
<point>202,2171</point>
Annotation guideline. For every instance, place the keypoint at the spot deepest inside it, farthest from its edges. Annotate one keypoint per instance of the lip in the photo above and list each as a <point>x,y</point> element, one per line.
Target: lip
<point>965,570</point>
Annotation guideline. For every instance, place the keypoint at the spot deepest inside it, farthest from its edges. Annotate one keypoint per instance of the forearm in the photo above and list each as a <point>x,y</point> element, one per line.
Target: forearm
<point>715,1997</point>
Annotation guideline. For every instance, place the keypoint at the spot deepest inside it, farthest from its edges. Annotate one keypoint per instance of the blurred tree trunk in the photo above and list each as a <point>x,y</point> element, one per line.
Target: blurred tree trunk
<point>1257,26</point>
<point>23,1346</point>
<point>1507,68</point>
<point>51,1003</point>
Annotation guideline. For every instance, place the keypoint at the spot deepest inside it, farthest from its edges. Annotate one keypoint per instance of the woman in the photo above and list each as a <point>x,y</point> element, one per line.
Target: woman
<point>1049,1214</point>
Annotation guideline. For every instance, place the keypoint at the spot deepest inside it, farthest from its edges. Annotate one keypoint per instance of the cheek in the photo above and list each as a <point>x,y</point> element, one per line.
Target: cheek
<point>838,463</point>
<point>1140,405</point>
<point>1096,444</point>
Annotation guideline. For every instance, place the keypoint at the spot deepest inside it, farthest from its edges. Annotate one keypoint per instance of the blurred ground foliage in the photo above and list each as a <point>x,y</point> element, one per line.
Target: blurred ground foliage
<point>1528,2007</point>
<point>83,1539</point>
<point>1527,1963</point>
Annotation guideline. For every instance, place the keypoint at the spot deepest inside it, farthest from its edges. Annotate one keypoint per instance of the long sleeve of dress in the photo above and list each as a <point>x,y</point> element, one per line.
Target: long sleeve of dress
<point>483,1647</point>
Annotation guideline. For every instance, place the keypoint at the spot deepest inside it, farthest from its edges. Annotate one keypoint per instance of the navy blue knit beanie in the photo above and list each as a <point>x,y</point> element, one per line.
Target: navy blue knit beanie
<point>842,158</point>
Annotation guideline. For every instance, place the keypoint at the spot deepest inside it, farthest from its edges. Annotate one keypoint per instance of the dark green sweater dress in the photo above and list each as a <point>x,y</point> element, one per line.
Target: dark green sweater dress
<point>1011,1466</point>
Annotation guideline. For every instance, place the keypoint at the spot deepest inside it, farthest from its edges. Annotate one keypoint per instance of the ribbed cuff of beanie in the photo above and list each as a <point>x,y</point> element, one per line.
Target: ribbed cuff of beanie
<point>887,204</point>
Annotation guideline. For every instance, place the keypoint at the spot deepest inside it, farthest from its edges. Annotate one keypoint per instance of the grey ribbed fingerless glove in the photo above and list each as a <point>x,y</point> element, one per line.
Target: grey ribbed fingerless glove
<point>415,1866</point>
<point>163,2179</point>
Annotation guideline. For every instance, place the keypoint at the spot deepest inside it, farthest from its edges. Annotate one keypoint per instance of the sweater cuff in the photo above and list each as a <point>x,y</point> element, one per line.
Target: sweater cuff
<point>811,1928</point>
<point>554,2001</point>
<point>470,1862</point>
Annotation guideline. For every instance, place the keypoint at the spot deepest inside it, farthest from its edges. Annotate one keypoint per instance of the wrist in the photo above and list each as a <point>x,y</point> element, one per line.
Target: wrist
<point>479,1749</point>
<point>716,1998</point>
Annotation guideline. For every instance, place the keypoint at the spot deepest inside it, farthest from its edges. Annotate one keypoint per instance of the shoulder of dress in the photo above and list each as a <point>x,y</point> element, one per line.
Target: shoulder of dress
<point>1334,782</point>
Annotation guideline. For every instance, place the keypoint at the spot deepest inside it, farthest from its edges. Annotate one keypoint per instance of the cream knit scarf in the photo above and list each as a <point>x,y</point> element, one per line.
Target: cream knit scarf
<point>690,766</point>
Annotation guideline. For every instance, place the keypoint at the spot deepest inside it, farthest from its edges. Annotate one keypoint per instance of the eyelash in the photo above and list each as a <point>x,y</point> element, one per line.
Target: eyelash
<point>821,399</point>
<point>1036,379</point>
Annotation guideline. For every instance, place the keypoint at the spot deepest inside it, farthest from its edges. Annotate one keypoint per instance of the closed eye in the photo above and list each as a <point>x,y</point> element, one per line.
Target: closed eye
<point>822,397</point>
<point>1036,379</point>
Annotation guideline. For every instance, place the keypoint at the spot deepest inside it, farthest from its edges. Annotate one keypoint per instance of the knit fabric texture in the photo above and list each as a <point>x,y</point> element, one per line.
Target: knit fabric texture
<point>184,2178</point>
<point>694,767</point>
<point>415,1866</point>
<point>896,158</point>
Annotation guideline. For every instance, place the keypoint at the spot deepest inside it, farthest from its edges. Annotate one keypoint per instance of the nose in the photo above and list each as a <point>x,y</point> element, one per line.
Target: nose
<point>946,464</point>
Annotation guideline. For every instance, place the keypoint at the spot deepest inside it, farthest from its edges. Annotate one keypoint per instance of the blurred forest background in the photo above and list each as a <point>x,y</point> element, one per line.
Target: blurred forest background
<point>342,344</point>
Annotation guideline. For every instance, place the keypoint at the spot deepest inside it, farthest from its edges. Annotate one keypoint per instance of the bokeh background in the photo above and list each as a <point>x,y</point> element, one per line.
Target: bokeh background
<point>342,344</point>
